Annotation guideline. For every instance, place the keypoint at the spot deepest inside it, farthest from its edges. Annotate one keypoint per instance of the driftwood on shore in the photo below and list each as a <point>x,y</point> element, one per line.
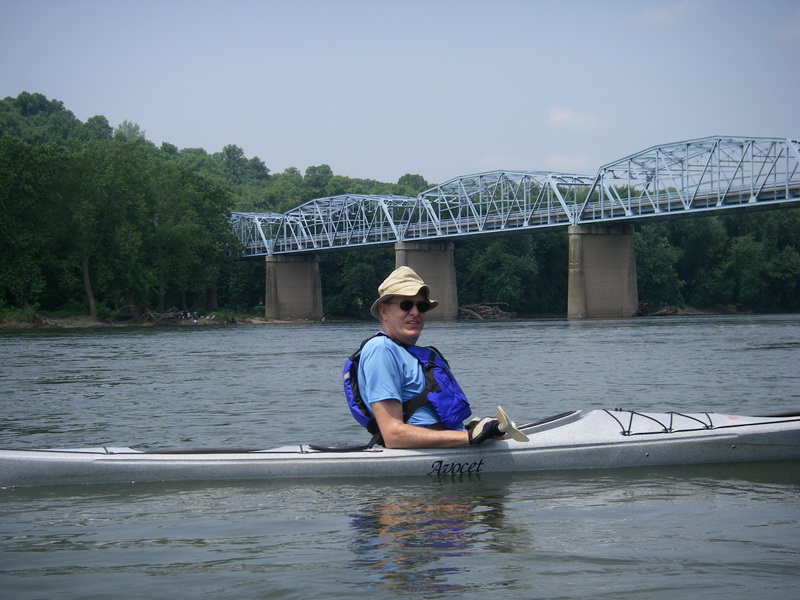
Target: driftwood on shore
<point>134,315</point>
<point>488,310</point>
<point>142,316</point>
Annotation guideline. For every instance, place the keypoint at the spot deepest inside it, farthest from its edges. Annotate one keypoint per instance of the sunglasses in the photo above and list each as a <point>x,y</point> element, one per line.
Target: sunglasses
<point>423,306</point>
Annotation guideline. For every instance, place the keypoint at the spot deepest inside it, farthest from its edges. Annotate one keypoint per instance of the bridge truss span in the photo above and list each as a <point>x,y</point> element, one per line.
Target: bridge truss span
<point>686,178</point>
<point>499,201</point>
<point>695,176</point>
<point>491,202</point>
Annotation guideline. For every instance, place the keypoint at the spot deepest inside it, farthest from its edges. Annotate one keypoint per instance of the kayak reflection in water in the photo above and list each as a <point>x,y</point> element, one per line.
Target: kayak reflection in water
<point>405,394</point>
<point>420,542</point>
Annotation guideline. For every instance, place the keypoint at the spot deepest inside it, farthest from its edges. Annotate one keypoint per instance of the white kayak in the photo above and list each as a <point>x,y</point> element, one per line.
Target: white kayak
<point>597,439</point>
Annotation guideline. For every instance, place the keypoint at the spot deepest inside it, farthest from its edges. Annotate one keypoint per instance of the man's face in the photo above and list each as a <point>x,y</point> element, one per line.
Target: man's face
<point>403,325</point>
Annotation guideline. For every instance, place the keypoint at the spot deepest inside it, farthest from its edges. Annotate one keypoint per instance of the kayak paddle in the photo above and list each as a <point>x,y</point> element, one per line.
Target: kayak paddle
<point>508,426</point>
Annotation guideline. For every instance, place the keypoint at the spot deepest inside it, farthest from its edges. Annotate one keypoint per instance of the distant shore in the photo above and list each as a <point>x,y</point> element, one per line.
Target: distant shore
<point>85,322</point>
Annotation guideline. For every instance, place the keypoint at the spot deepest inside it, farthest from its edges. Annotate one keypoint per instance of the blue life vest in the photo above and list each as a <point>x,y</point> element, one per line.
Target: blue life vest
<point>441,390</point>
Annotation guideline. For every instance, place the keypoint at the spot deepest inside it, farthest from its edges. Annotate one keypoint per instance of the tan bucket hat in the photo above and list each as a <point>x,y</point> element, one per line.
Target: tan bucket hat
<point>403,281</point>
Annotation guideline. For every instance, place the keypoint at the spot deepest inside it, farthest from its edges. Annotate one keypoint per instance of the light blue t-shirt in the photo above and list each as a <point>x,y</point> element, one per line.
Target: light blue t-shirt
<point>386,371</point>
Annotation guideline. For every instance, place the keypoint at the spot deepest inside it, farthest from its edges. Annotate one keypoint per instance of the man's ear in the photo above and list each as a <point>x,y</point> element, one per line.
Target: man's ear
<point>382,308</point>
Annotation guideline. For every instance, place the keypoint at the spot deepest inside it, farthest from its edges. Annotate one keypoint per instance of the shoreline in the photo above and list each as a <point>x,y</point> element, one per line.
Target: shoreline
<point>85,322</point>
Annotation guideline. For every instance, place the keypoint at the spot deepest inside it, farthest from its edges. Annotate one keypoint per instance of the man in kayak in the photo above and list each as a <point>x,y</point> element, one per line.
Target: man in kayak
<point>391,375</point>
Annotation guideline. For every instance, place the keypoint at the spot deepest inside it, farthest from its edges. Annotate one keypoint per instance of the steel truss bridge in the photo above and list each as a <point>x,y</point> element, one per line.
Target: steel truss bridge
<point>690,178</point>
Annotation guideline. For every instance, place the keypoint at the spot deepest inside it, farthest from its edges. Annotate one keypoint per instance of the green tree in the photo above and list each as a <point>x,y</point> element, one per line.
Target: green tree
<point>746,269</point>
<point>36,120</point>
<point>783,279</point>
<point>703,244</point>
<point>350,280</point>
<point>128,131</point>
<point>413,183</point>
<point>338,185</point>
<point>656,260</point>
<point>502,269</point>
<point>96,128</point>
<point>774,237</point>
<point>234,163</point>
<point>106,208</point>
<point>211,239</point>
<point>286,191</point>
<point>317,178</point>
<point>241,283</point>
<point>200,161</point>
<point>548,292</point>
<point>30,186</point>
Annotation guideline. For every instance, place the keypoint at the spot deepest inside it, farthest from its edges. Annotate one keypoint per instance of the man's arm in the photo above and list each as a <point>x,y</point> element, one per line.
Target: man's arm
<point>396,434</point>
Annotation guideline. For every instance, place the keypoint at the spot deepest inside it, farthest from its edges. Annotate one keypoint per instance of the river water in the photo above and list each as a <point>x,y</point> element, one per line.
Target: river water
<point>690,532</point>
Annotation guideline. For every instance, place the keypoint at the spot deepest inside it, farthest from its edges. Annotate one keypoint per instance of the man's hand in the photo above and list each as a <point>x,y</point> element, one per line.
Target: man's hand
<point>484,429</point>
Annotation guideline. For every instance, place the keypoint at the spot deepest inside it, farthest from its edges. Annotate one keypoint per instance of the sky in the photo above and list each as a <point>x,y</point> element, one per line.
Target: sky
<point>440,88</point>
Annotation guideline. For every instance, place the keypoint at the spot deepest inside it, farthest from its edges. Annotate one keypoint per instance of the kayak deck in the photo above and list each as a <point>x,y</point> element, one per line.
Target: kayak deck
<point>572,440</point>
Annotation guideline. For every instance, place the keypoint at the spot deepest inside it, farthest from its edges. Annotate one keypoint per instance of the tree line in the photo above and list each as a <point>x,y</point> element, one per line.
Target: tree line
<point>94,219</point>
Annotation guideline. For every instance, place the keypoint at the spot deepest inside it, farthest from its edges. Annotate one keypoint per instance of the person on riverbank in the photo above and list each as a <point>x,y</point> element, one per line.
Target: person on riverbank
<point>393,394</point>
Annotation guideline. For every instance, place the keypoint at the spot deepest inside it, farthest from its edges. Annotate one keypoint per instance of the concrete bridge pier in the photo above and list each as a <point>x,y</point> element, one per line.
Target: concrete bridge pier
<point>433,261</point>
<point>294,287</point>
<point>602,272</point>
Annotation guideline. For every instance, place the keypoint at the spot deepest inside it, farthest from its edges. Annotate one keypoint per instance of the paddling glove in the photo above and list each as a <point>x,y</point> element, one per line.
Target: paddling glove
<point>482,430</point>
